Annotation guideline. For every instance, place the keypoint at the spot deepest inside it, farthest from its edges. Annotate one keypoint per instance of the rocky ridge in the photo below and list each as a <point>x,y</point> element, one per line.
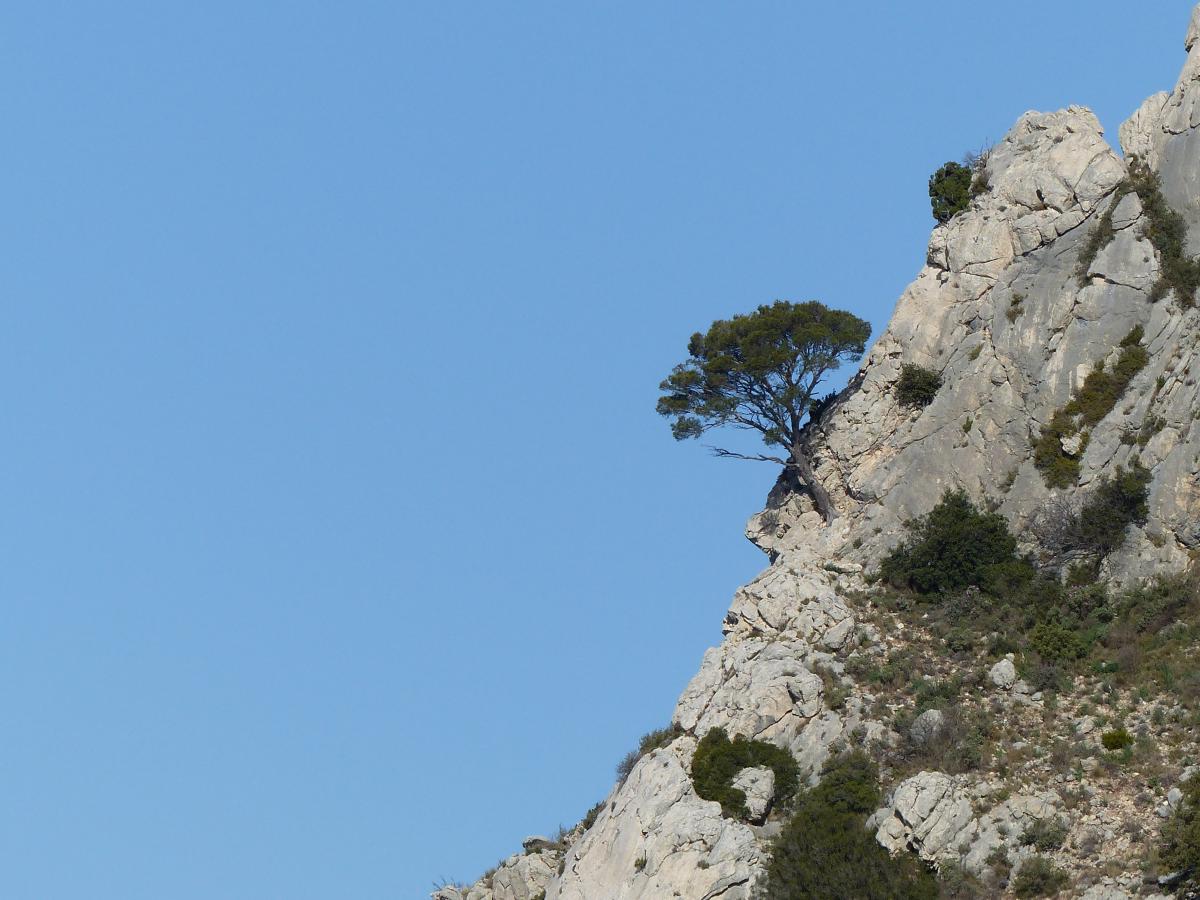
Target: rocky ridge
<point>1000,310</point>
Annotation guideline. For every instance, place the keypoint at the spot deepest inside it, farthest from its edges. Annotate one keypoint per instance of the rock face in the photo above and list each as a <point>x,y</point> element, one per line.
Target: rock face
<point>934,815</point>
<point>758,784</point>
<point>656,838</point>
<point>1000,310</point>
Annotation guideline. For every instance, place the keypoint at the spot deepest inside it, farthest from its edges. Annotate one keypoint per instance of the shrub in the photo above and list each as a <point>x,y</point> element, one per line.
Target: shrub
<point>953,547</point>
<point>957,746</point>
<point>589,818</point>
<point>1098,526</point>
<point>1039,877</point>
<point>917,385</point>
<point>1054,641</point>
<point>950,191</point>
<point>718,760</point>
<point>1045,834</point>
<point>1101,389</point>
<point>1117,739</point>
<point>1167,231</point>
<point>825,850</point>
<point>1179,846</point>
<point>650,741</point>
<point>1117,502</point>
<point>1058,469</point>
<point>1095,399</point>
<point>959,883</point>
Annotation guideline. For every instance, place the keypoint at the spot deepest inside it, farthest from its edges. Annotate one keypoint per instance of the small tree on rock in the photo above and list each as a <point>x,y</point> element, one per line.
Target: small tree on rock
<point>761,371</point>
<point>950,191</point>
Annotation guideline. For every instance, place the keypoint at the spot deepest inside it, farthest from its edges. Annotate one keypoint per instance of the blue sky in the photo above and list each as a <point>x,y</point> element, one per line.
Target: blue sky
<point>342,546</point>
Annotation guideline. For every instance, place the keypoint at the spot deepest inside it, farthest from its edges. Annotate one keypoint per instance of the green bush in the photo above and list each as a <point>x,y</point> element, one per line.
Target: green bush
<point>955,546</point>
<point>1039,877</point>
<point>1117,739</point>
<point>650,741</point>
<point>825,850</point>
<point>718,760</point>
<point>1054,641</point>
<point>1045,834</point>
<point>1098,527</point>
<point>1093,401</point>
<point>1179,846</point>
<point>1167,231</point>
<point>917,386</point>
<point>1117,502</point>
<point>950,191</point>
<point>589,818</point>
<point>959,883</point>
<point>1058,470</point>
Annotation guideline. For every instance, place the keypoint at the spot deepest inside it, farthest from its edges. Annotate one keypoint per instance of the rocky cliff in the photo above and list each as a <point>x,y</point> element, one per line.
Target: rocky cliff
<point>1016,304</point>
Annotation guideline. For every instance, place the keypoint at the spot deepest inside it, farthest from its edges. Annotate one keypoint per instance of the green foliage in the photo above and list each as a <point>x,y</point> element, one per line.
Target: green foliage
<point>1101,390</point>
<point>917,386</point>
<point>1098,527</point>
<point>1116,739</point>
<point>1045,834</point>
<point>760,371</point>
<point>1095,399</point>
<point>718,760</point>
<point>825,850</point>
<point>950,191</point>
<point>1117,502</point>
<point>649,742</point>
<point>1179,846</point>
<point>1167,231</point>
<point>1055,641</point>
<point>975,592</point>
<point>1039,877</point>
<point>589,818</point>
<point>1058,470</point>
<point>953,547</point>
<point>957,882</point>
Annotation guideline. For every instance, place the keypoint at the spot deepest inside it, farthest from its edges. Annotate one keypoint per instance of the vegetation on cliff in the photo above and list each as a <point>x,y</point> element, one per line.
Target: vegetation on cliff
<point>760,372</point>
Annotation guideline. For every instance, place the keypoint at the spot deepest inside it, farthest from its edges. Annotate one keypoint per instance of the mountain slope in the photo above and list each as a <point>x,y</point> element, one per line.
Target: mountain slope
<point>1053,271</point>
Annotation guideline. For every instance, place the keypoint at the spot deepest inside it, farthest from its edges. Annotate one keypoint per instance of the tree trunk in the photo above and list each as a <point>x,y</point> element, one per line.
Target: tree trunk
<point>803,468</point>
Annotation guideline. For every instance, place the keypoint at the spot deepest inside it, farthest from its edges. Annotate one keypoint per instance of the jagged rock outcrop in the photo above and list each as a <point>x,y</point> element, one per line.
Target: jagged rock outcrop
<point>656,838</point>
<point>934,815</point>
<point>1002,311</point>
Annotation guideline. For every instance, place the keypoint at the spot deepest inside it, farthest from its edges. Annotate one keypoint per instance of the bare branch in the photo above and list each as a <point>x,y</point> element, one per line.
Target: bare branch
<point>729,454</point>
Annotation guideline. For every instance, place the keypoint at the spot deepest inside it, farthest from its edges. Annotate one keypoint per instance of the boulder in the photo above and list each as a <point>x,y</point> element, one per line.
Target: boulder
<point>1003,674</point>
<point>927,726</point>
<point>758,784</point>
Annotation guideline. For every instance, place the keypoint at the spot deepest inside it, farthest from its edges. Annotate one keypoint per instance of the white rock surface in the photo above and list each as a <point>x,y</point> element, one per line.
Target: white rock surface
<point>927,726</point>
<point>1003,674</point>
<point>934,815</point>
<point>656,839</point>
<point>758,784</point>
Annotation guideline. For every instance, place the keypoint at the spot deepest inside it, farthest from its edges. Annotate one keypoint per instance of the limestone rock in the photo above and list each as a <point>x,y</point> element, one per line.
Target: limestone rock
<point>758,784</point>
<point>655,838</point>
<point>1003,674</point>
<point>927,726</point>
<point>934,815</point>
<point>526,876</point>
<point>1105,892</point>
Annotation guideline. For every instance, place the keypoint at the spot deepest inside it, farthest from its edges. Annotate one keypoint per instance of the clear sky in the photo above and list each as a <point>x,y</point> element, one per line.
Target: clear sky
<point>341,545</point>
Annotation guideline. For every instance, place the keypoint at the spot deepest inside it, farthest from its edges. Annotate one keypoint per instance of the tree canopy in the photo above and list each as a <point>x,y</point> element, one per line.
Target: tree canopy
<point>761,371</point>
